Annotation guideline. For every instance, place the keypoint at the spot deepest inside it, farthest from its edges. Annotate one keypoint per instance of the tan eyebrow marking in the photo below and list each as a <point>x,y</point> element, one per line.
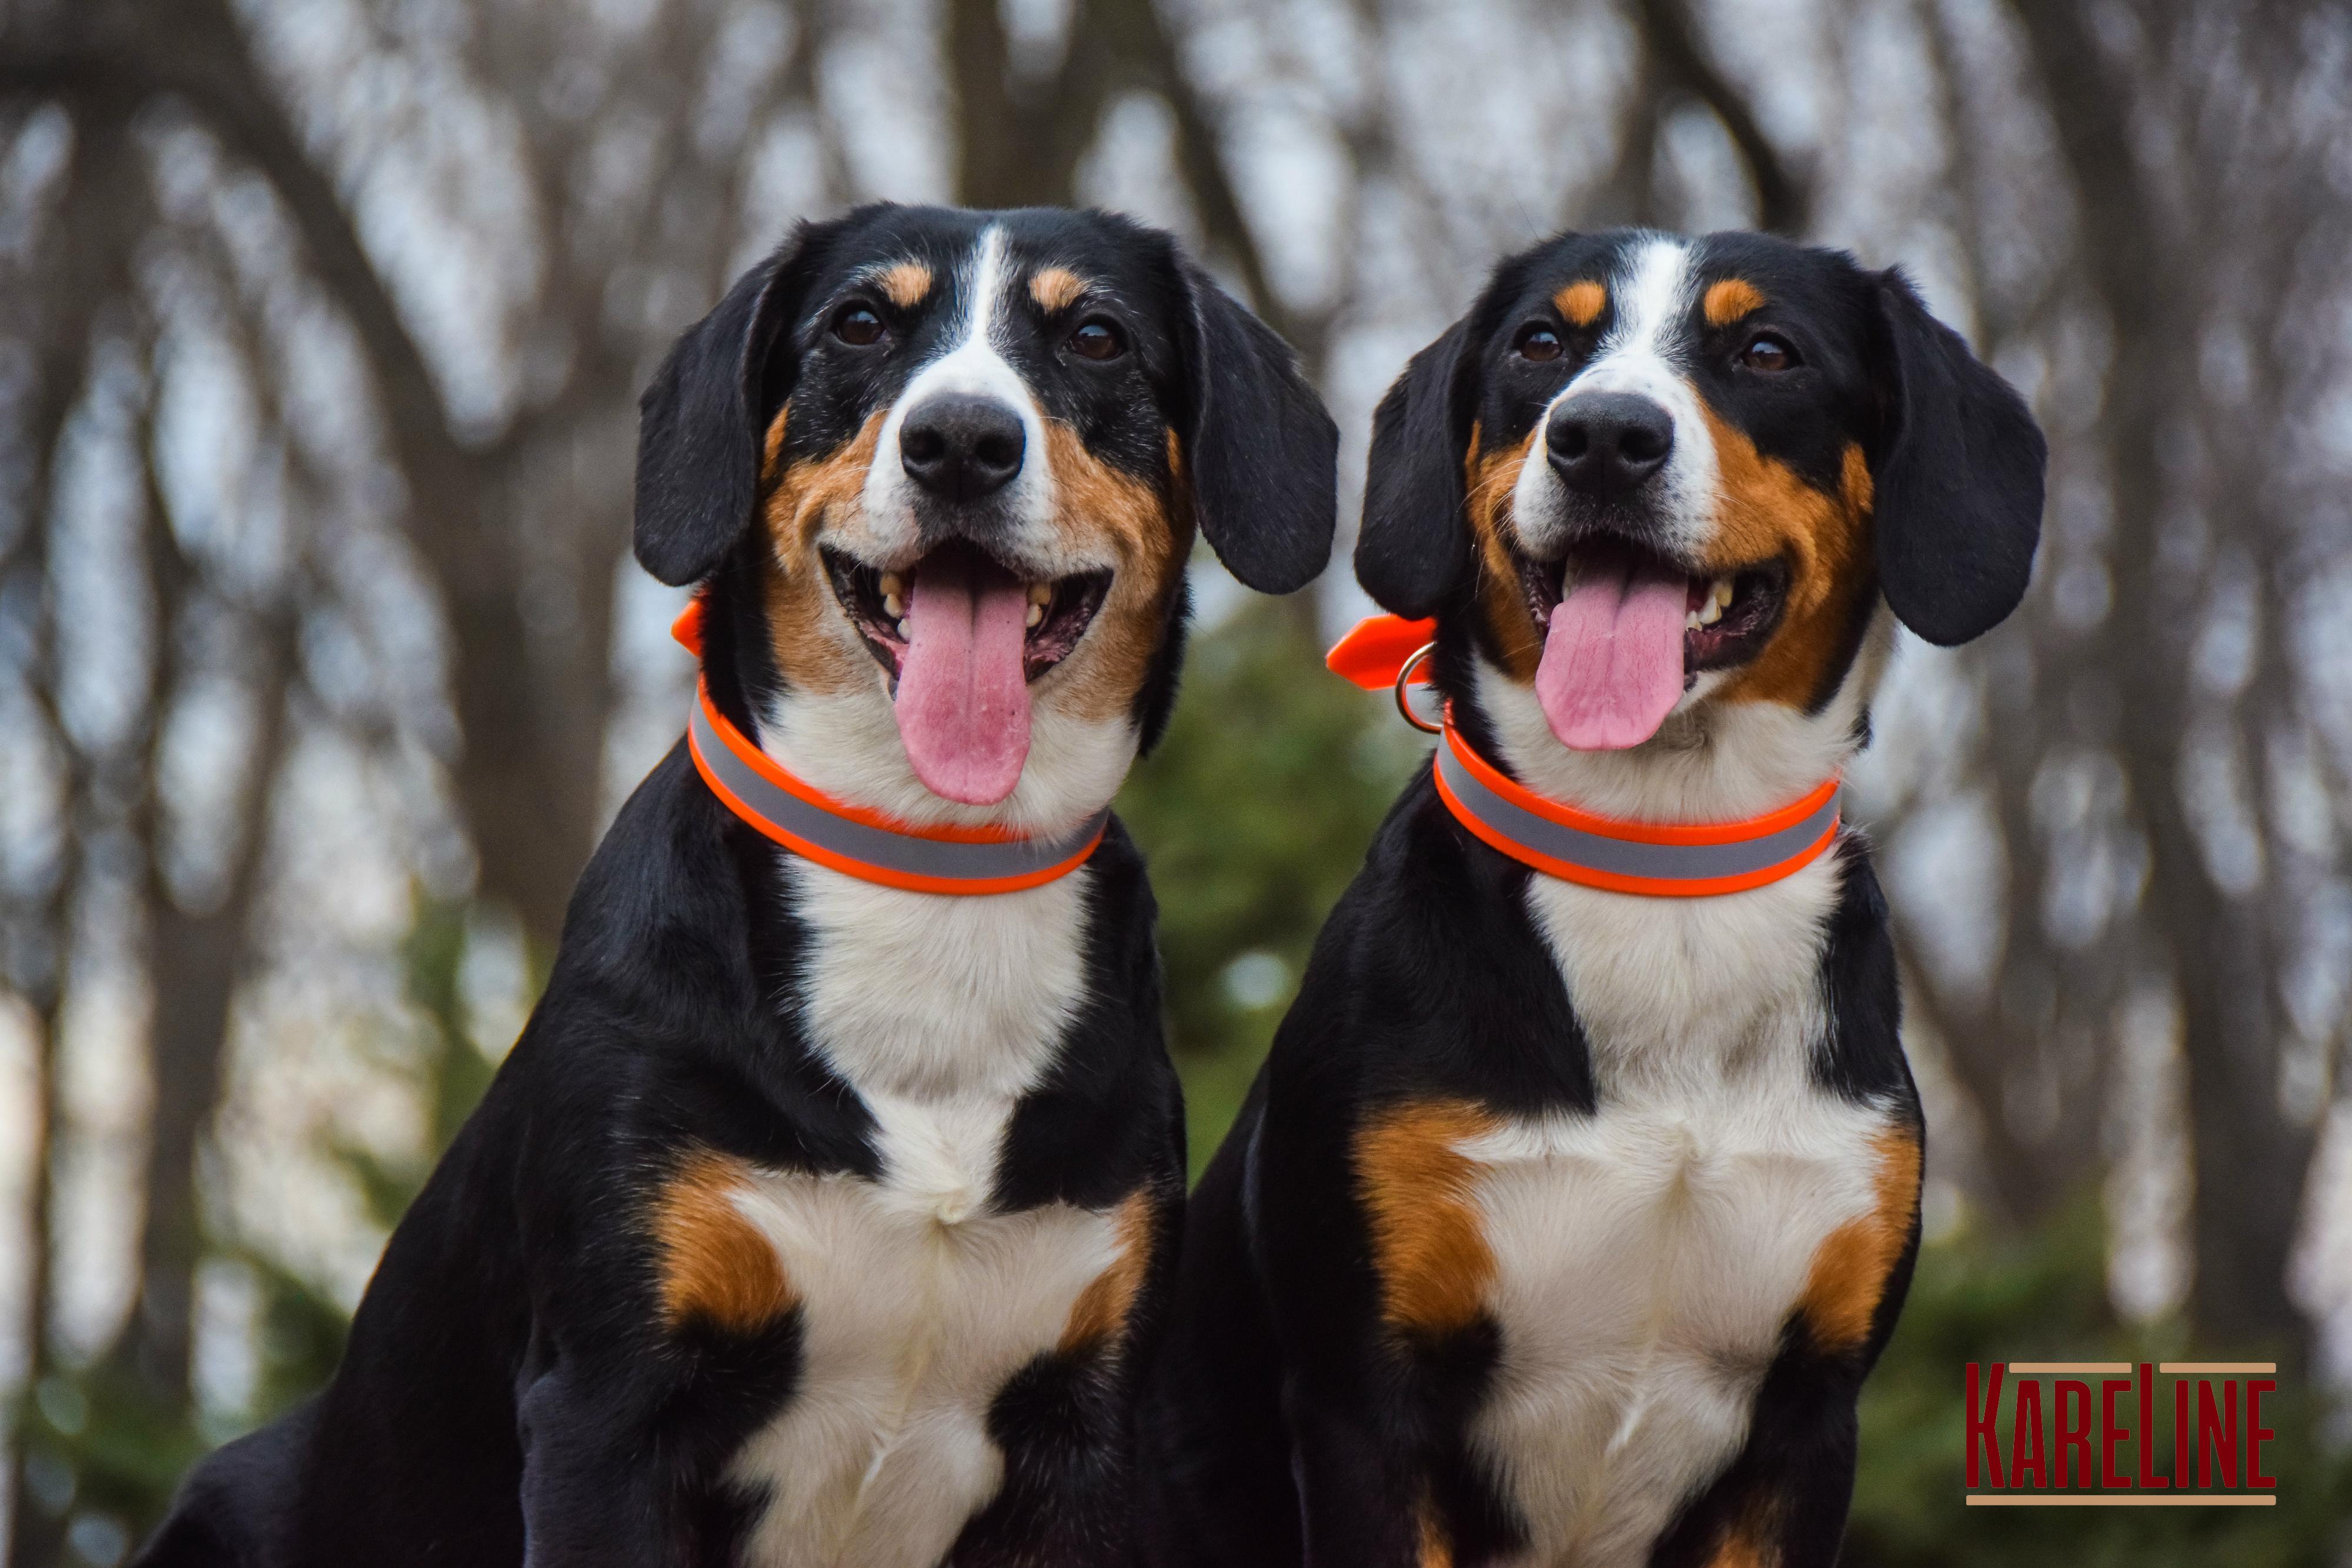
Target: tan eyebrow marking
<point>905,284</point>
<point>1581,302</point>
<point>1056,287</point>
<point>1730,300</point>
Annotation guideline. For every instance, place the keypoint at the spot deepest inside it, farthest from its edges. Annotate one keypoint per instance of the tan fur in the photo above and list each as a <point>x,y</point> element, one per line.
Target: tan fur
<point>1745,1549</point>
<point>906,284</point>
<point>1436,1552</point>
<point>715,1266</point>
<point>1581,302</point>
<point>1428,1246</point>
<point>802,614</point>
<point>1056,287</point>
<point>1101,1310</point>
<point>1766,512</point>
<point>1851,1266</point>
<point>1729,299</point>
<point>1150,540</point>
<point>1489,478</point>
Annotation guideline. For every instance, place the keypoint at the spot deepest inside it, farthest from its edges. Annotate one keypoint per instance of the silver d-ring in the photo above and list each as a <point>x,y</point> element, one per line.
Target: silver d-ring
<point>1404,706</point>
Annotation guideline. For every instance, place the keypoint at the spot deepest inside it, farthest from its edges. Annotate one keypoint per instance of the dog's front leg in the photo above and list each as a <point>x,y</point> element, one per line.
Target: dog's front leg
<point>1360,1501</point>
<point>597,1486</point>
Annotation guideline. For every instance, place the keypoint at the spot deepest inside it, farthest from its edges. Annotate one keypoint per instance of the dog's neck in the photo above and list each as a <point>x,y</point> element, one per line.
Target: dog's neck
<point>1709,762</point>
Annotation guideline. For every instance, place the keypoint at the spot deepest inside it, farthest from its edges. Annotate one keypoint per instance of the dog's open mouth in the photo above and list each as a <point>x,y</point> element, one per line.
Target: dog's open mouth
<point>879,603</point>
<point>961,635</point>
<point>1626,632</point>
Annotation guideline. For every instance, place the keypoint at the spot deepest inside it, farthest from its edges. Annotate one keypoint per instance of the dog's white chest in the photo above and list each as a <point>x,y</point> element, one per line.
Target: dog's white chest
<point>919,1300</point>
<point>1648,1257</point>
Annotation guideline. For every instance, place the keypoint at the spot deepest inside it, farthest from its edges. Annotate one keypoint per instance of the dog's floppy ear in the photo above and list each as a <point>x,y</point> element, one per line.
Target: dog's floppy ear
<point>1958,491</point>
<point>1262,454</point>
<point>699,422</point>
<point>1415,547</point>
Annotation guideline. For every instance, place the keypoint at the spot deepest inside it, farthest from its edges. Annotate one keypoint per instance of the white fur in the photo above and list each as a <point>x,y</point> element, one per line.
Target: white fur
<point>920,1300</point>
<point>847,743</point>
<point>1652,294</point>
<point>1648,1257</point>
<point>1650,1254</point>
<point>974,363</point>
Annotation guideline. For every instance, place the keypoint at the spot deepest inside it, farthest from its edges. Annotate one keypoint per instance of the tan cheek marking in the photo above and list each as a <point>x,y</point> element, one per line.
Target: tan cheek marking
<point>1489,479</point>
<point>814,654</point>
<point>905,284</point>
<point>1102,1309</point>
<point>1851,1266</point>
<point>1056,287</point>
<point>1729,299</point>
<point>1428,1246</point>
<point>716,1267</point>
<point>1101,504</point>
<point>1765,511</point>
<point>1581,302</point>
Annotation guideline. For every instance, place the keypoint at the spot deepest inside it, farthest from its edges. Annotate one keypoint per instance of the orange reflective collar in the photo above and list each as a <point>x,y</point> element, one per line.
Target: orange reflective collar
<point>853,839</point>
<point>1661,860</point>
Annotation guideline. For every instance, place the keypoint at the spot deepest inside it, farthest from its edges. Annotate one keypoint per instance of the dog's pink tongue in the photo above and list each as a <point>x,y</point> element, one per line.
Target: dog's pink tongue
<point>962,705</point>
<point>1612,662</point>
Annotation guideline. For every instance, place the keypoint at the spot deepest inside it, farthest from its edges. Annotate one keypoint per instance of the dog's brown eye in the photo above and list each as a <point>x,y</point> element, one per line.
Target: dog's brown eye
<point>1767,352</point>
<point>1538,342</point>
<point>857,326</point>
<point>1098,340</point>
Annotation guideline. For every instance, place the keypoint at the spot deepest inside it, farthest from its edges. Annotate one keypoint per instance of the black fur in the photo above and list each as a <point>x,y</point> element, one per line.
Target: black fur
<point>1288,1423</point>
<point>514,1390</point>
<point>1958,480</point>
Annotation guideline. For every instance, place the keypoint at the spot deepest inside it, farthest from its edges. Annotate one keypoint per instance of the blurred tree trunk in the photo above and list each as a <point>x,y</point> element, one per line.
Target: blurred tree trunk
<point>2251,1159</point>
<point>532,725</point>
<point>80,273</point>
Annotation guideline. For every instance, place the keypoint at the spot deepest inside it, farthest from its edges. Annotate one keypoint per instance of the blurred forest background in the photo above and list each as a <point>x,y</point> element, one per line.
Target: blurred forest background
<point>322,661</point>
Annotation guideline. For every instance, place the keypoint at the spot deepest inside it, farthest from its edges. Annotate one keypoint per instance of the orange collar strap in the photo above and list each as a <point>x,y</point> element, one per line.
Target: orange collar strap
<point>1662,860</point>
<point>856,842</point>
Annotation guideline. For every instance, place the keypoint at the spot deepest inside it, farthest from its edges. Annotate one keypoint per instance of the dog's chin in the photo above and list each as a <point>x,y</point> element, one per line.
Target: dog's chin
<point>874,598</point>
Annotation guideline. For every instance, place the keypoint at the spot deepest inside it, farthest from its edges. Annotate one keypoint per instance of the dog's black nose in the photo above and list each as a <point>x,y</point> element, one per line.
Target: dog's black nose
<point>1607,443</point>
<point>960,446</point>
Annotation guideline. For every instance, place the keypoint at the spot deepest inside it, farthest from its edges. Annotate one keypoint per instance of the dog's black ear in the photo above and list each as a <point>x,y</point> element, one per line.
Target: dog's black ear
<point>1262,453</point>
<point>1415,547</point>
<point>1958,491</point>
<point>699,423</point>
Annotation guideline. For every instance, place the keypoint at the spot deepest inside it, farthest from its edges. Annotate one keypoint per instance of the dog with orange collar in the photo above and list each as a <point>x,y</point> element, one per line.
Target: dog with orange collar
<point>1579,1192</point>
<point>824,1214</point>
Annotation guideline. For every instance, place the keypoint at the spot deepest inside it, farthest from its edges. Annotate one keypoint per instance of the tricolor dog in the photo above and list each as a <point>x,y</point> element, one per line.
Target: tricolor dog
<point>1580,1190</point>
<point>824,1213</point>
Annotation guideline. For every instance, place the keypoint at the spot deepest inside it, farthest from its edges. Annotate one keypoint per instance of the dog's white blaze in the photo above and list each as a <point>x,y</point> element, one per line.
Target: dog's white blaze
<point>1643,353</point>
<point>919,1301</point>
<point>974,363</point>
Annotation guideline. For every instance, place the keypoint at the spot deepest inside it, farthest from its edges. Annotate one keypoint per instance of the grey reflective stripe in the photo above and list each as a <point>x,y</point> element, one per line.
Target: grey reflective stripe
<point>945,859</point>
<point>1618,857</point>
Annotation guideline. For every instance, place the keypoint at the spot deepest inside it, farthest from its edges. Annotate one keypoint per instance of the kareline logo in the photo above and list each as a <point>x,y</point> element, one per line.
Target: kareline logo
<point>2216,1445</point>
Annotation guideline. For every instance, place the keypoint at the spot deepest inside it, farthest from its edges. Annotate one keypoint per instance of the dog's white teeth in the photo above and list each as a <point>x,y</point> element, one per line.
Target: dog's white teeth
<point>1711,614</point>
<point>1041,594</point>
<point>904,635</point>
<point>894,588</point>
<point>1723,593</point>
<point>892,605</point>
<point>1690,620</point>
<point>1036,616</point>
